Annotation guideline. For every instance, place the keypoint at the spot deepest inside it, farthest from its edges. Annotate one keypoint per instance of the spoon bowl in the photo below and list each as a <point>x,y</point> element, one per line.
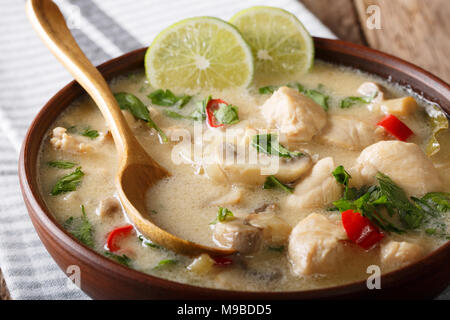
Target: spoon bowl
<point>137,170</point>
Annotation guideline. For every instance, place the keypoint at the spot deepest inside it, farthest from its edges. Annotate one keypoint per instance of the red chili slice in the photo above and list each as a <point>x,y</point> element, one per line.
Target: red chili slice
<point>212,106</point>
<point>360,229</point>
<point>116,235</point>
<point>221,261</point>
<point>395,127</point>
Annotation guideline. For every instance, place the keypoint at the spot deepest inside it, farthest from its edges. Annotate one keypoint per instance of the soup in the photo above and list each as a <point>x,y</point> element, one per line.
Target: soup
<point>280,171</point>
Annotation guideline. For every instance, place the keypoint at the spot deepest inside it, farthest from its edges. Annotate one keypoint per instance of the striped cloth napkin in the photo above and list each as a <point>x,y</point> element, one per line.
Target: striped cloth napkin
<point>30,75</point>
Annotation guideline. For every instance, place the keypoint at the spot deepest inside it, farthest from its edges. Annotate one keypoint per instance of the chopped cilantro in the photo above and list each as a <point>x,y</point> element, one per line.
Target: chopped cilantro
<point>272,183</point>
<point>68,183</point>
<point>80,228</point>
<point>61,164</point>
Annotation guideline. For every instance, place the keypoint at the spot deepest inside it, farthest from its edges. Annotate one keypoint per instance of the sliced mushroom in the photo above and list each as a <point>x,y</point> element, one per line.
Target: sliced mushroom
<point>372,89</point>
<point>235,234</point>
<point>267,208</point>
<point>275,229</point>
<point>107,207</point>
<point>234,167</point>
<point>399,107</point>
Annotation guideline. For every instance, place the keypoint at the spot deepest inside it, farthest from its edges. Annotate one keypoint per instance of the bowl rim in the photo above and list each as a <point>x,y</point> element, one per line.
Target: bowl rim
<point>38,211</point>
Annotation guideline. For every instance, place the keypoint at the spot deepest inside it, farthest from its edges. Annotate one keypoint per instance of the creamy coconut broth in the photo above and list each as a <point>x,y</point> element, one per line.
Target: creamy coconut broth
<point>277,254</point>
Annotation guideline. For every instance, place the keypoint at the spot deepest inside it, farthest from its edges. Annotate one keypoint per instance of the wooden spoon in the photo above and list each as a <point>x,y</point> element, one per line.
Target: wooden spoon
<point>137,170</point>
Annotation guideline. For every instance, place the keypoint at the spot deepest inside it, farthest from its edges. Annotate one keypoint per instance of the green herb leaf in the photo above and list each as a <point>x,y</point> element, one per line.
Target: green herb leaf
<point>342,176</point>
<point>71,129</point>
<point>272,183</point>
<point>173,114</point>
<point>223,215</point>
<point>277,249</point>
<point>434,203</point>
<point>410,215</point>
<point>128,101</point>
<point>163,98</point>
<point>344,205</point>
<point>149,243</point>
<point>68,182</point>
<point>272,89</point>
<point>267,89</point>
<point>368,204</point>
<point>227,114</point>
<point>61,164</point>
<point>438,122</point>
<point>199,114</point>
<point>366,201</point>
<point>81,228</point>
<point>168,98</point>
<point>122,259</point>
<point>318,97</point>
<point>391,197</point>
<point>350,101</point>
<point>268,144</point>
<point>440,201</point>
<point>91,134</point>
<point>165,263</point>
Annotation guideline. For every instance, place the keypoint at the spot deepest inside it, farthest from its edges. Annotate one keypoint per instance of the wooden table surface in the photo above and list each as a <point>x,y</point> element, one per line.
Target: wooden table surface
<point>415,30</point>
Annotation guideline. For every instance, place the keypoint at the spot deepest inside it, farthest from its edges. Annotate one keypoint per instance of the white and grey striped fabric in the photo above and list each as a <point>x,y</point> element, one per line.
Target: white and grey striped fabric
<point>30,75</point>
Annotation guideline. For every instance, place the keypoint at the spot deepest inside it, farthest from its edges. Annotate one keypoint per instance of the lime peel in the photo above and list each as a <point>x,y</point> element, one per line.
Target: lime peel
<point>279,41</point>
<point>199,53</point>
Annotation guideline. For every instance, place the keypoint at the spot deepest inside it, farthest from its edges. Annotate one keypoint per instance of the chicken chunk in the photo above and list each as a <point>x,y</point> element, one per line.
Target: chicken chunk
<point>107,207</point>
<point>395,254</point>
<point>316,246</point>
<point>63,141</point>
<point>349,133</point>
<point>275,229</point>
<point>296,116</point>
<point>235,234</point>
<point>405,163</point>
<point>318,189</point>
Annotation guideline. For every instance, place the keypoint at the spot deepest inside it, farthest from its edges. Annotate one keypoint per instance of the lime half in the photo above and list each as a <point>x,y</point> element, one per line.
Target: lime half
<point>279,41</point>
<point>199,53</point>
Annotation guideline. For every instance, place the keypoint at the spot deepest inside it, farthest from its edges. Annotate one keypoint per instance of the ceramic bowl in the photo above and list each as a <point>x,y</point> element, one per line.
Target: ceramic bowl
<point>102,278</point>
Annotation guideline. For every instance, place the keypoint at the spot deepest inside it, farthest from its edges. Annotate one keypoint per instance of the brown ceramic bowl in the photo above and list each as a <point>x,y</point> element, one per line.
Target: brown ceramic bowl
<point>102,278</point>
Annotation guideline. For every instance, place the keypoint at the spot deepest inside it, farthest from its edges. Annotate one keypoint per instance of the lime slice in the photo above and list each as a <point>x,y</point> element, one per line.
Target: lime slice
<point>279,41</point>
<point>199,53</point>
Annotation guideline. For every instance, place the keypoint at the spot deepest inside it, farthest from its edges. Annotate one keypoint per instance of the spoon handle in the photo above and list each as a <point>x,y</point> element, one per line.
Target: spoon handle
<point>48,21</point>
